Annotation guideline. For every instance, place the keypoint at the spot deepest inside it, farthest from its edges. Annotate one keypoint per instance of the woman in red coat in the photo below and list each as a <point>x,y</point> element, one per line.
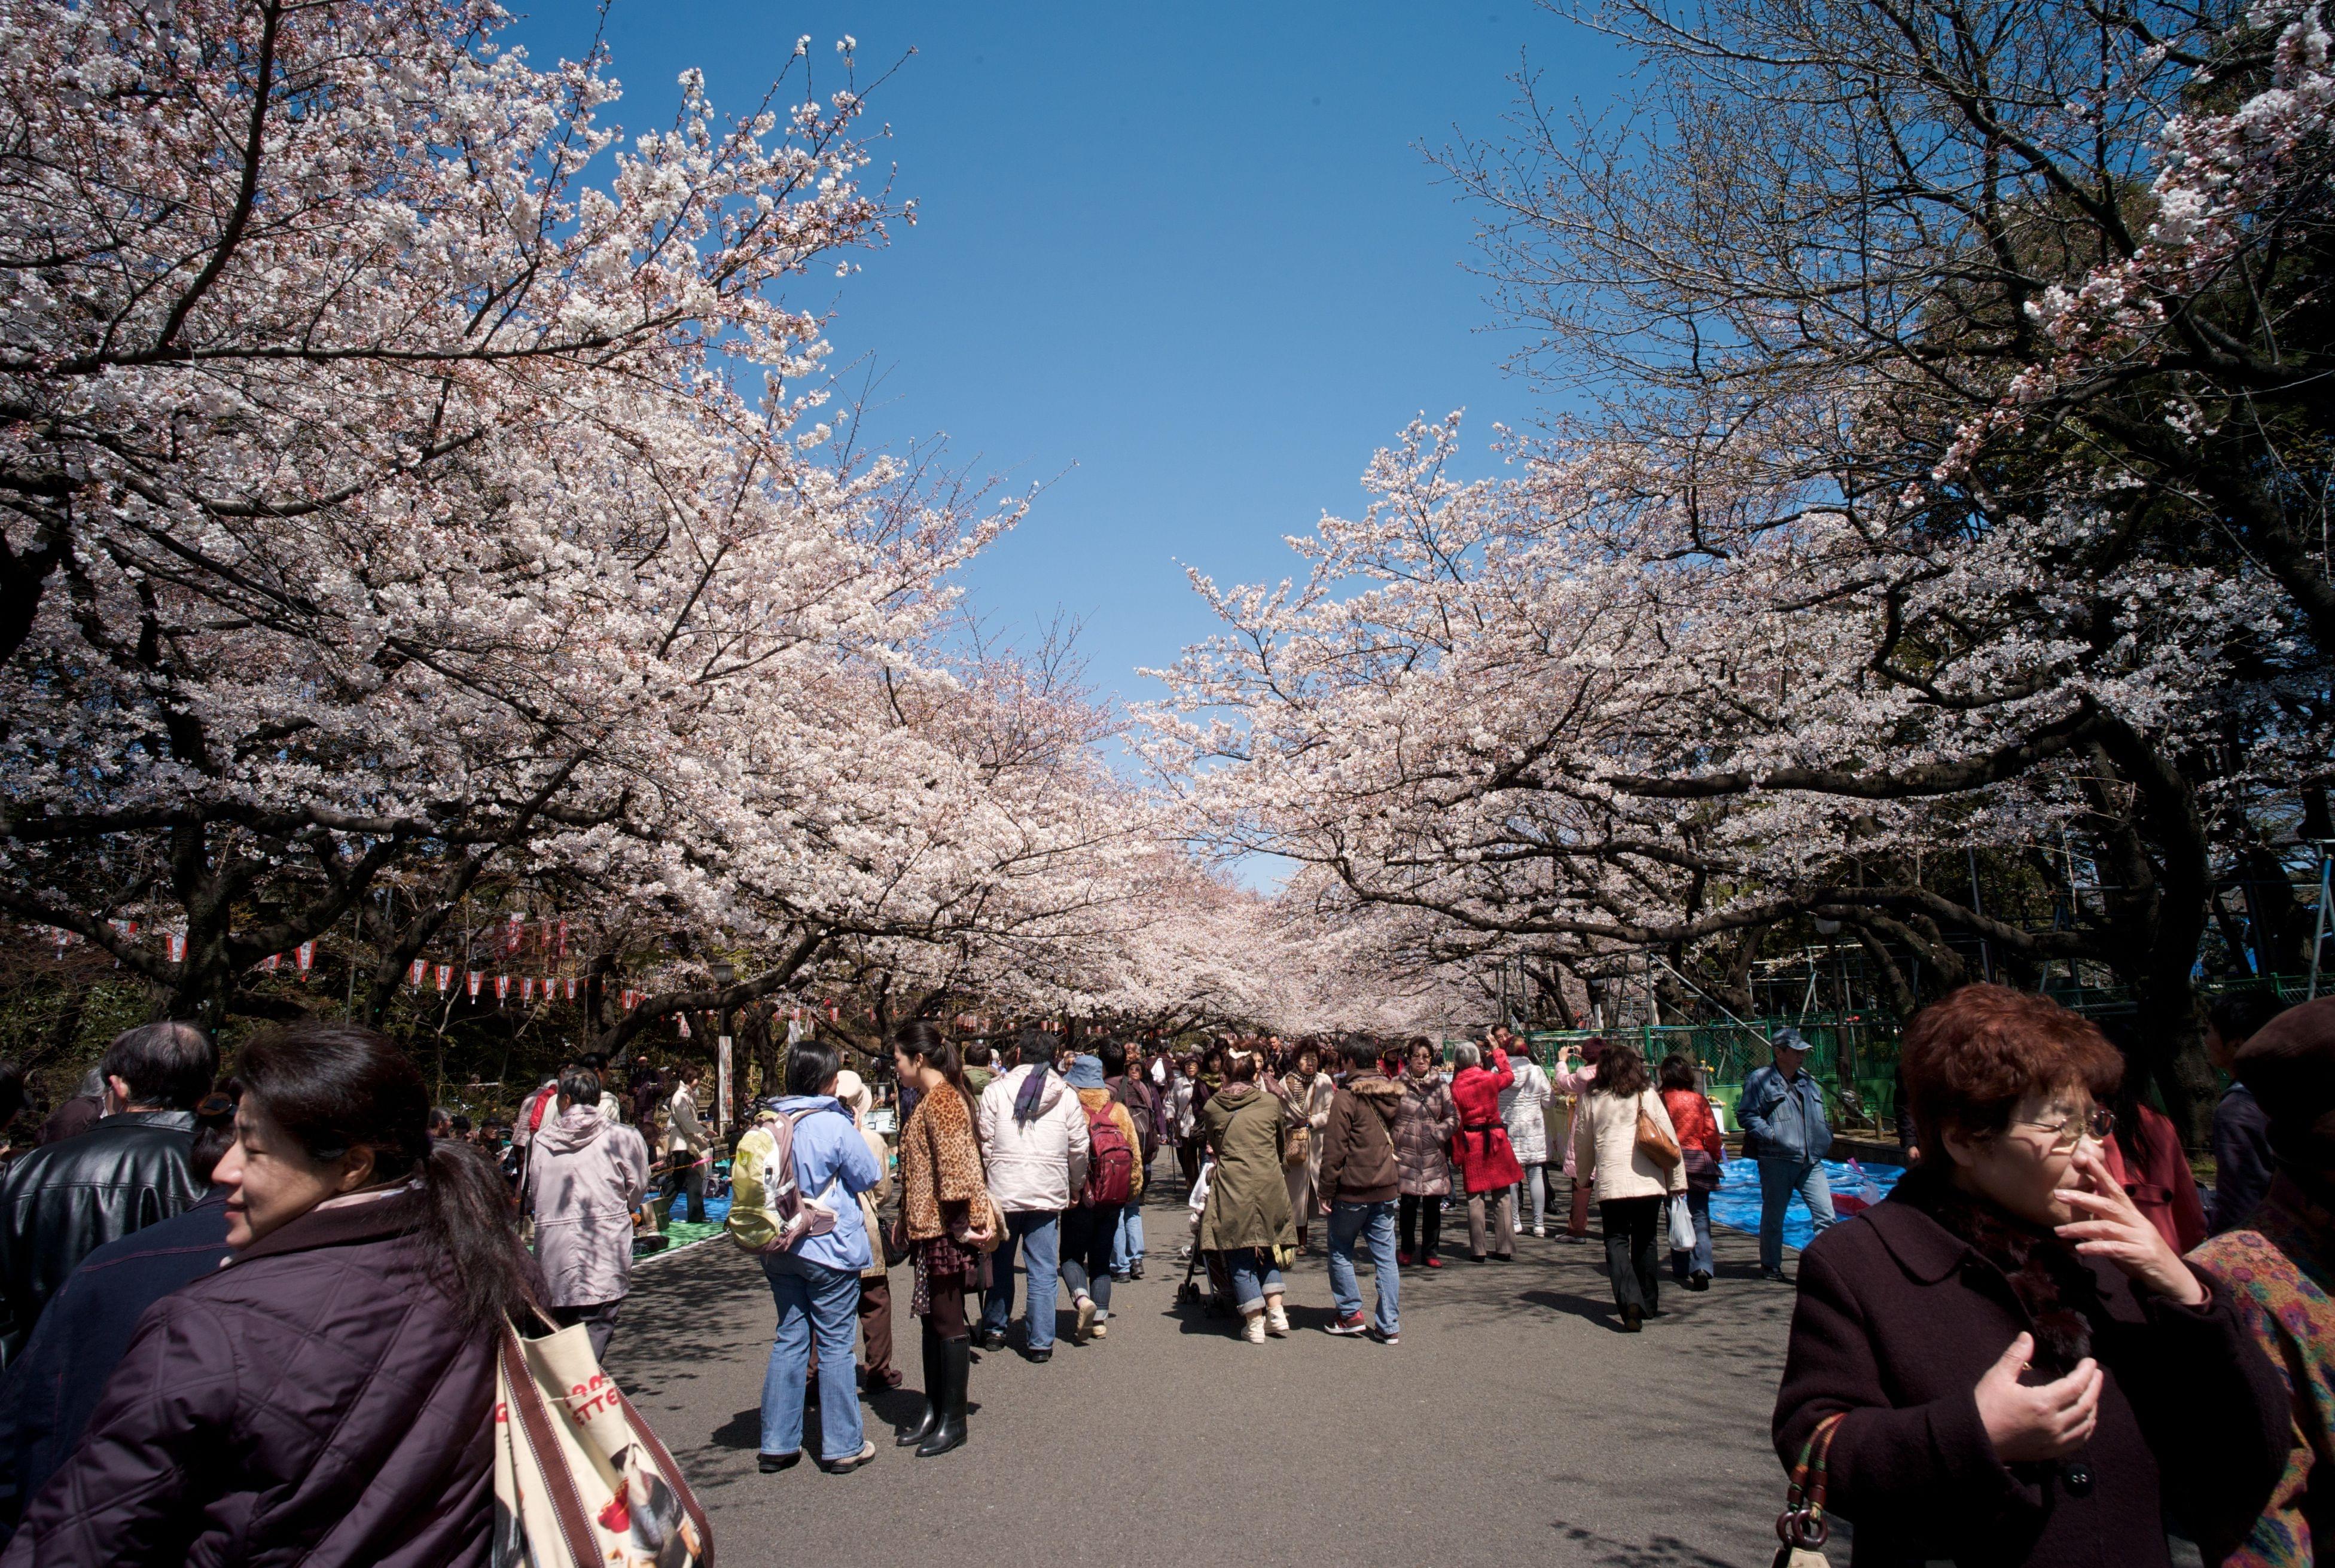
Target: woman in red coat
<point>1480,1147</point>
<point>1704,1153</point>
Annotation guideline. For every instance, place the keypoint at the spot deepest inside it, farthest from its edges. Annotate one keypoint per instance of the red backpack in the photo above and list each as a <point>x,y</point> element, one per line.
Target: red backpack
<point>1110,1162</point>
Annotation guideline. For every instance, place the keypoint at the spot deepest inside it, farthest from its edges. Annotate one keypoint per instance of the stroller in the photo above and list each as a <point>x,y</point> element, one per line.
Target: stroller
<point>1219,1293</point>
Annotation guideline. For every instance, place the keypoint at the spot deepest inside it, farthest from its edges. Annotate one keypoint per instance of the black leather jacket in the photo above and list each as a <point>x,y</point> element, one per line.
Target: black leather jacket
<point>62,1201</point>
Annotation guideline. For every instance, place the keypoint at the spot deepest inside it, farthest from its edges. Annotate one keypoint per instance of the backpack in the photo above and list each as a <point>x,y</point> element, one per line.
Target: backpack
<point>768,1210</point>
<point>1110,1162</point>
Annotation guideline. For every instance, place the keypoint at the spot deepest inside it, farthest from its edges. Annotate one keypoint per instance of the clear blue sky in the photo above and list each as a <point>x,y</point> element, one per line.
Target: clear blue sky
<point>1185,263</point>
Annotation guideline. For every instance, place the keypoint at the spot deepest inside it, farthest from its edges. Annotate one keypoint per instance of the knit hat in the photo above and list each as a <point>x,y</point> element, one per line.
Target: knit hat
<point>2290,1065</point>
<point>1086,1072</point>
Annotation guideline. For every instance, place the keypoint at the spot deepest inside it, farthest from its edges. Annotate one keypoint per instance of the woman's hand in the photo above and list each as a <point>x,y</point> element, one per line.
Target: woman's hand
<point>2109,1227</point>
<point>2050,1421</point>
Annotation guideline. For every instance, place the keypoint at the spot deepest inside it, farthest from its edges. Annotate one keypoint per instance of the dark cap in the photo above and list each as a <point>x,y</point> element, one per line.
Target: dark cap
<point>2289,1063</point>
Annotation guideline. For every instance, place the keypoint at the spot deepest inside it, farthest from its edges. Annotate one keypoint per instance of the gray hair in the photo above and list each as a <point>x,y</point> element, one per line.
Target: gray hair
<point>1467,1053</point>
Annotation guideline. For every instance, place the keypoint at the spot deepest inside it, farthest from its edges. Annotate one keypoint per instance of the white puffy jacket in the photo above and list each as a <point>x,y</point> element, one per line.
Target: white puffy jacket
<point>1036,1166</point>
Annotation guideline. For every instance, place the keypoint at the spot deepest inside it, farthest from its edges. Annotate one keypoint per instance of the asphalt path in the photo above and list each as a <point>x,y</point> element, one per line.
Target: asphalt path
<point>1514,1423</point>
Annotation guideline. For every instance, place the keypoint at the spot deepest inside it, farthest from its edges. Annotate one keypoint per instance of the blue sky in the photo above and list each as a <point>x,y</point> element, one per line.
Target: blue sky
<point>1186,265</point>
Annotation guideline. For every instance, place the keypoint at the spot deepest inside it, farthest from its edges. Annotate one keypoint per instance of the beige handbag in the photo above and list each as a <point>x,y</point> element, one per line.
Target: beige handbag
<point>580,1481</point>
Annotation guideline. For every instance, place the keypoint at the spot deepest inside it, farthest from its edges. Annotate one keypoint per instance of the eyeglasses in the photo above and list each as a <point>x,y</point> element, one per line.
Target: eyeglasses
<point>2096,1124</point>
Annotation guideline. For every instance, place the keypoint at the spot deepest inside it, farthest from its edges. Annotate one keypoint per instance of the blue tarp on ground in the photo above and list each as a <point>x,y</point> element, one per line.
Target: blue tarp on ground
<point>1736,1204</point>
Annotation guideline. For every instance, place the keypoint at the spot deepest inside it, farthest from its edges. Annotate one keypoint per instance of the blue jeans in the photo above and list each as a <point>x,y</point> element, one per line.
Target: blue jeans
<point>1127,1246</point>
<point>1253,1276</point>
<point>813,1299</point>
<point>1778,1180</point>
<point>1374,1223</point>
<point>1040,1237</point>
<point>1696,1261</point>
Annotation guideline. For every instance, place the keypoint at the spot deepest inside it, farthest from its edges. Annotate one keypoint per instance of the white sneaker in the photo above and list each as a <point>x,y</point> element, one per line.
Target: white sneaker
<point>1277,1320</point>
<point>1086,1308</point>
<point>1540,1230</point>
<point>1517,1226</point>
<point>1252,1328</point>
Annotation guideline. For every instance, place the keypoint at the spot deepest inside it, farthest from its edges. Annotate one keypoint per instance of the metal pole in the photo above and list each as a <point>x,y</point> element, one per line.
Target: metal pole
<point>1985,954</point>
<point>2319,923</point>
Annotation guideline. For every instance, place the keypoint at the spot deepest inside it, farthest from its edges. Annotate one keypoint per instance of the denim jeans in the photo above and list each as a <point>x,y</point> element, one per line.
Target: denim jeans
<point>1127,1246</point>
<point>813,1299</point>
<point>1778,1180</point>
<point>1372,1224</point>
<point>1697,1259</point>
<point>1254,1274</point>
<point>1087,1235</point>
<point>1039,1234</point>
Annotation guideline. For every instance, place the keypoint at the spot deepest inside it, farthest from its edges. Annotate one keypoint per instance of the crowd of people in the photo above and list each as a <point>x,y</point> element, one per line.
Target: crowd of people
<point>255,1315</point>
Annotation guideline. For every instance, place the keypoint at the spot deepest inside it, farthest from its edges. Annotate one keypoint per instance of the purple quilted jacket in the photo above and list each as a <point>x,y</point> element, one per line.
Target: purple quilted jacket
<point>315,1401</point>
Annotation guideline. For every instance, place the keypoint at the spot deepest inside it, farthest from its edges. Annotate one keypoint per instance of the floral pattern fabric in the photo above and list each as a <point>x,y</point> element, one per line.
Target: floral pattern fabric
<point>2281,1273</point>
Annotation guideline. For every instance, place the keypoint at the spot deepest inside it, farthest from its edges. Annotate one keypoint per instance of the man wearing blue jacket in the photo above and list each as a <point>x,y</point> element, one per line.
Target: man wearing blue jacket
<point>1782,1112</point>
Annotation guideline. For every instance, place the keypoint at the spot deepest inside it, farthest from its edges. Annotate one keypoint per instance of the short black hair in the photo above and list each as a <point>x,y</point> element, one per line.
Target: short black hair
<point>1113,1056</point>
<point>170,1065</point>
<point>1362,1053</point>
<point>977,1054</point>
<point>811,1066</point>
<point>2239,1016</point>
<point>1033,1045</point>
<point>581,1085</point>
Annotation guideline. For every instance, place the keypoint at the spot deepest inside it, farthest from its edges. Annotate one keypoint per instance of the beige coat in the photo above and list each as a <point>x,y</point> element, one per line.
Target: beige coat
<point>1605,1137</point>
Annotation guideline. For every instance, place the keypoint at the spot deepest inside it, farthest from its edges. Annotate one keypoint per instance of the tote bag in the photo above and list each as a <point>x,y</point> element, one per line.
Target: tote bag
<point>580,1480</point>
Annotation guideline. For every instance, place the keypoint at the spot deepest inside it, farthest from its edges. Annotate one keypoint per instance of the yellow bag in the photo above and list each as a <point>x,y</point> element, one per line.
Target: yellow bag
<point>580,1481</point>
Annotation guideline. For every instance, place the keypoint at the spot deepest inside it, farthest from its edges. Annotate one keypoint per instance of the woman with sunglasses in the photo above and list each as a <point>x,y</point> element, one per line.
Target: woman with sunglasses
<point>2022,1368</point>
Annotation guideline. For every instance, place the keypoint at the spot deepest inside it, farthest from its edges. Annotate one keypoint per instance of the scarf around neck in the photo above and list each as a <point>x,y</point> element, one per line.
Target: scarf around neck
<point>2059,1290</point>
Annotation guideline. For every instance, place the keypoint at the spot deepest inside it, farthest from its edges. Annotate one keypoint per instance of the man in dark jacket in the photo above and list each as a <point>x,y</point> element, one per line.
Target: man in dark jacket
<point>53,1385</point>
<point>1358,1188</point>
<point>62,1201</point>
<point>2242,1162</point>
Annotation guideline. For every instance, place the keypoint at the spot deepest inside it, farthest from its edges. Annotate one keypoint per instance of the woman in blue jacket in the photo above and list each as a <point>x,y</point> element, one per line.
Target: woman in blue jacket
<point>816,1282</point>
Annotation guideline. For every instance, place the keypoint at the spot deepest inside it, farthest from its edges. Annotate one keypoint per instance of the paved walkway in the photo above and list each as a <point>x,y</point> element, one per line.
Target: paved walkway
<point>1513,1425</point>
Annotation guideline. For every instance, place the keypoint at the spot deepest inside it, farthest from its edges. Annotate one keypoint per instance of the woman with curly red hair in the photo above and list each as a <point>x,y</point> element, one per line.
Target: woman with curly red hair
<point>2010,1365</point>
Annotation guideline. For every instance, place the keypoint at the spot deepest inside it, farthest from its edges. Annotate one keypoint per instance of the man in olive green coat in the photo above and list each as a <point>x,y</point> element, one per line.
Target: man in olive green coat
<point>1248,1213</point>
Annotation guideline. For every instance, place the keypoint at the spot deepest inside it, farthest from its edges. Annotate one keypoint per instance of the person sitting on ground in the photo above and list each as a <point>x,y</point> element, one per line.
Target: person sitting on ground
<point>62,1201</point>
<point>1423,1127</point>
<point>1488,1164</point>
<point>53,1384</point>
<point>1248,1213</point>
<point>2023,1370</point>
<point>2244,1162</point>
<point>1361,1179</point>
<point>2279,1269</point>
<point>1114,1182</point>
<point>328,1398</point>
<point>584,1175</point>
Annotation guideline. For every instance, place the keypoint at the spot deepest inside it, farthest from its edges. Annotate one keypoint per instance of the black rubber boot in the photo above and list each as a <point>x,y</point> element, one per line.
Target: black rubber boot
<point>916,1432</point>
<point>956,1356</point>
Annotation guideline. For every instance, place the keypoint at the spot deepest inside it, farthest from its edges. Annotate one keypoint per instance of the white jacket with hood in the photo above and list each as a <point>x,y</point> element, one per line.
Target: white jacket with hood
<point>1034,1166</point>
<point>582,1178</point>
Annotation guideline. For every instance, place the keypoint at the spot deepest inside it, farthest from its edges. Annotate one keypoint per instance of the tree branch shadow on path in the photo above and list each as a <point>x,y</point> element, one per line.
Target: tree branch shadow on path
<point>1658,1550</point>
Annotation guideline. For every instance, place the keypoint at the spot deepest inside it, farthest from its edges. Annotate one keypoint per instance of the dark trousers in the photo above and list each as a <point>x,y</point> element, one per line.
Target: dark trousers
<point>599,1321</point>
<point>688,1178</point>
<point>1633,1250</point>
<point>1422,1216</point>
<point>876,1330</point>
<point>1188,1157</point>
<point>946,1316</point>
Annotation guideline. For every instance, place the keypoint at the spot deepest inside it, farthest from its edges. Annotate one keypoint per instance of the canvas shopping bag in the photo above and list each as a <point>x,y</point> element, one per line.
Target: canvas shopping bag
<point>580,1481</point>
